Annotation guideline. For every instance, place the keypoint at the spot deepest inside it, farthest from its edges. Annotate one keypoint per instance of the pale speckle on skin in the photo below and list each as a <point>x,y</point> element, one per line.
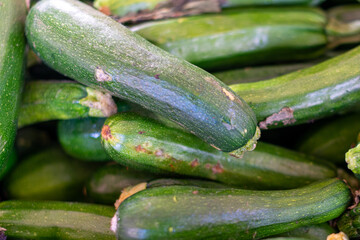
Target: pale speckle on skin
<point>101,75</point>
<point>228,94</point>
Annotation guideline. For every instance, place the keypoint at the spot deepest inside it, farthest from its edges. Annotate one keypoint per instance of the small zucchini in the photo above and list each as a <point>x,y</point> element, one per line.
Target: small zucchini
<point>56,220</point>
<point>145,144</point>
<point>52,100</point>
<point>331,87</point>
<point>48,175</point>
<point>121,62</point>
<point>188,212</point>
<point>12,65</point>
<point>349,223</point>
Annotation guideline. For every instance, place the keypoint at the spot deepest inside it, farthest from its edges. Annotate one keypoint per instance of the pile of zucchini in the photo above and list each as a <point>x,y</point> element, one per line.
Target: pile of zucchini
<point>146,124</point>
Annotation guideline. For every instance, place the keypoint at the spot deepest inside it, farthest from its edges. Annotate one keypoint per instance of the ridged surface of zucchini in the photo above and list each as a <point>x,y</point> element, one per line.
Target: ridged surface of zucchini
<point>56,220</point>
<point>349,223</point>
<point>143,143</point>
<point>99,52</point>
<point>325,89</point>
<point>187,212</point>
<point>12,64</point>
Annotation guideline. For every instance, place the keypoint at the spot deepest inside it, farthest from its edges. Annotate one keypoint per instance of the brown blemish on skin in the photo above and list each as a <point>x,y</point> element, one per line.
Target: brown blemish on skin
<point>195,192</point>
<point>208,166</point>
<point>141,132</point>
<point>217,168</point>
<point>228,94</point>
<point>285,115</point>
<point>106,132</point>
<point>105,10</point>
<point>195,163</point>
<point>101,75</point>
<point>129,191</point>
<point>157,76</point>
<point>139,148</point>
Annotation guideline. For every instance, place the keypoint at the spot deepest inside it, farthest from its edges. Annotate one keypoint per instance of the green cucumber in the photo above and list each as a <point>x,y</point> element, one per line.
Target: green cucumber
<point>12,64</point>
<point>48,175</point>
<point>349,223</point>
<point>56,220</point>
<point>52,100</point>
<point>188,212</point>
<point>106,184</point>
<point>242,37</point>
<point>328,88</point>
<point>80,138</point>
<point>8,164</point>
<point>144,144</point>
<point>331,139</point>
<point>123,63</point>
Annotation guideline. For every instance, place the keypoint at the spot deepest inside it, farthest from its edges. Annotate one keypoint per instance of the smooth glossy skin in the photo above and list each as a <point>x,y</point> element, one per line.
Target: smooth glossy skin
<point>8,164</point>
<point>332,139</point>
<point>48,175</point>
<point>12,57</point>
<point>242,37</point>
<point>142,143</point>
<point>101,53</point>
<point>320,91</point>
<point>56,220</point>
<point>53,100</point>
<point>185,212</point>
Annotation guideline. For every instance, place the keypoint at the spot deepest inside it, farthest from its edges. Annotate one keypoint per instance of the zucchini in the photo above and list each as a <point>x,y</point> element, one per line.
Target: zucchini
<point>8,164</point>
<point>48,175</point>
<point>144,144</point>
<point>313,232</point>
<point>55,220</point>
<point>325,89</point>
<point>188,212</point>
<point>331,139</point>
<point>12,64</point>
<point>121,62</point>
<point>50,100</point>
<point>349,223</point>
<point>242,37</point>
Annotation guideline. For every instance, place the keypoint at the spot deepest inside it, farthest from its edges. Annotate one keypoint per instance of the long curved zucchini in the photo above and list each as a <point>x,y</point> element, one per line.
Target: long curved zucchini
<point>49,100</point>
<point>56,220</point>
<point>123,63</point>
<point>188,212</point>
<point>323,90</point>
<point>143,143</point>
<point>12,57</point>
<point>332,139</point>
<point>48,175</point>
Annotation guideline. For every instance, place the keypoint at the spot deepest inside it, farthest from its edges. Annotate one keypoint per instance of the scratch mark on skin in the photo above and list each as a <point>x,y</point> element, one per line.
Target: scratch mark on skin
<point>228,94</point>
<point>101,75</point>
<point>215,147</point>
<point>106,132</point>
<point>285,115</point>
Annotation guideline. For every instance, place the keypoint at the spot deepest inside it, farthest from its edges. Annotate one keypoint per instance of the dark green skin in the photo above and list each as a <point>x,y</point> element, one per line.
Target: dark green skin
<point>80,138</point>
<point>332,139</point>
<point>8,164</point>
<point>349,223</point>
<point>53,100</point>
<point>56,220</point>
<point>48,175</point>
<point>99,52</point>
<point>242,37</point>
<point>320,91</point>
<point>313,232</point>
<point>106,184</point>
<point>187,212</point>
<point>165,182</point>
<point>12,57</point>
<point>144,144</point>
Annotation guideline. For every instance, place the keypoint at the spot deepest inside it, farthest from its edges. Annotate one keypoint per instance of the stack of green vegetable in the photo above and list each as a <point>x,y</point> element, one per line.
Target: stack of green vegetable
<point>139,124</point>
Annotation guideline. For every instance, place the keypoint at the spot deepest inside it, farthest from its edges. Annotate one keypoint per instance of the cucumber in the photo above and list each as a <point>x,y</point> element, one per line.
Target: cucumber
<point>242,37</point>
<point>123,63</point>
<point>188,212</point>
<point>48,175</point>
<point>12,64</point>
<point>331,139</point>
<point>52,100</point>
<point>144,144</point>
<point>56,220</point>
<point>349,223</point>
<point>80,138</point>
<point>305,95</point>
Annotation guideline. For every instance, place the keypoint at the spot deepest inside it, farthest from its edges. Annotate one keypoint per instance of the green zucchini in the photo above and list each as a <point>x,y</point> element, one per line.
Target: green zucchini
<point>56,220</point>
<point>8,164</point>
<point>313,232</point>
<point>50,100</point>
<point>144,144</point>
<point>80,138</point>
<point>48,175</point>
<point>123,63</point>
<point>12,64</point>
<point>328,88</point>
<point>106,184</point>
<point>331,139</point>
<point>349,223</point>
<point>188,212</point>
<point>242,37</point>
